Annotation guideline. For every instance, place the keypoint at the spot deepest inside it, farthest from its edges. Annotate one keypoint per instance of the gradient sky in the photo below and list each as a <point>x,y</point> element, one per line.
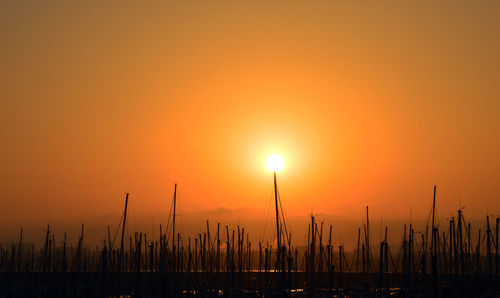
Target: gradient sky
<point>369,102</point>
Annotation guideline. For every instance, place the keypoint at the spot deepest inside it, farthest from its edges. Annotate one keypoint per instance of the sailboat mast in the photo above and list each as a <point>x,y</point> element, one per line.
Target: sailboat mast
<point>278,249</point>
<point>123,229</point>
<point>173,224</point>
<point>433,205</point>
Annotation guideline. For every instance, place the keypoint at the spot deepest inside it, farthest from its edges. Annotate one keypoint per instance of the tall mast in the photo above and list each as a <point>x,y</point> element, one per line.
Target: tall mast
<point>123,228</point>
<point>278,249</point>
<point>367,240</point>
<point>433,214</point>
<point>433,205</point>
<point>174,257</point>
<point>434,266</point>
<point>20,252</point>
<point>173,225</point>
<point>109,240</point>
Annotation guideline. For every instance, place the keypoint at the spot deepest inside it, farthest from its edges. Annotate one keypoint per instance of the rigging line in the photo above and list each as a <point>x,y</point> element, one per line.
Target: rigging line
<point>429,218</point>
<point>362,222</point>
<point>117,229</point>
<point>169,215</point>
<point>267,218</point>
<point>167,231</point>
<point>283,215</point>
<point>182,227</point>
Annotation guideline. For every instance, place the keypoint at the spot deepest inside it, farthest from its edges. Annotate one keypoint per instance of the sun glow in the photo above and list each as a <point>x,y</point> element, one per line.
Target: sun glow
<point>275,163</point>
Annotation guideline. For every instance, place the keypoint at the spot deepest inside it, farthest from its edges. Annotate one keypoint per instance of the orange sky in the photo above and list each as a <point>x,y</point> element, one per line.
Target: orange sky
<point>369,103</point>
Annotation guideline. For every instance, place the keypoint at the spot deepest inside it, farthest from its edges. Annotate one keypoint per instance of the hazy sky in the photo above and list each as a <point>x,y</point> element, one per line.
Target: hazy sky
<point>369,102</point>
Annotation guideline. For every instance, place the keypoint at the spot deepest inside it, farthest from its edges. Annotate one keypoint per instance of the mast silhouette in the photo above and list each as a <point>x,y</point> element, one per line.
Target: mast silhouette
<point>173,229</point>
<point>173,217</point>
<point>278,249</point>
<point>123,230</point>
<point>434,268</point>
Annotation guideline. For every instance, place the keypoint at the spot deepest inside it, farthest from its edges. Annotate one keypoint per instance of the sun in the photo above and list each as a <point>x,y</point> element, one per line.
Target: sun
<point>275,163</point>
